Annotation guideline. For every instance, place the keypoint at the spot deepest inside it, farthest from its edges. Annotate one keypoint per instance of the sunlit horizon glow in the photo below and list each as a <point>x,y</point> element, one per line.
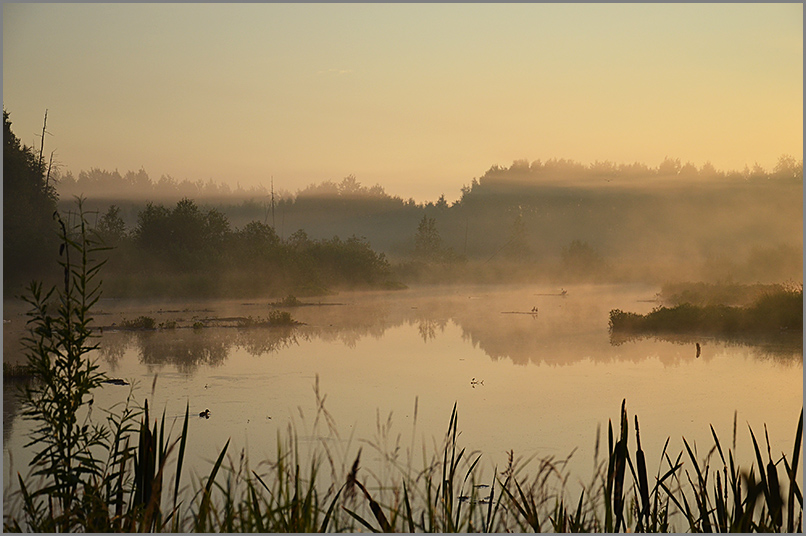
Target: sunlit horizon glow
<point>419,98</point>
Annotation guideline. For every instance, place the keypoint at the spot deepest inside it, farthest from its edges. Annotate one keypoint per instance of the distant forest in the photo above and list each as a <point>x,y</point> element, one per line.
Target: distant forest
<point>555,221</point>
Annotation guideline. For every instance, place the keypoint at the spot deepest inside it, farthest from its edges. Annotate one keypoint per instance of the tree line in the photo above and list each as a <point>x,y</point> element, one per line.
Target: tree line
<point>544,219</point>
<point>187,250</point>
<point>100,183</point>
<point>179,250</point>
<point>559,219</point>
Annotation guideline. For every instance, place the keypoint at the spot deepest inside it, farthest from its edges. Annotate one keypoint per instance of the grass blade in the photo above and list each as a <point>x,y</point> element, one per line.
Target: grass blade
<point>360,519</point>
<point>793,471</point>
<point>181,458</point>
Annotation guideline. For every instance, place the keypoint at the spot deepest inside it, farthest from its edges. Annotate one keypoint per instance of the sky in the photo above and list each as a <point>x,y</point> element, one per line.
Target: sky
<point>419,98</point>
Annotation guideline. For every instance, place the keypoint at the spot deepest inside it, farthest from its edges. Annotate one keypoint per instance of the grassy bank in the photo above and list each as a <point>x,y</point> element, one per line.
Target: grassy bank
<point>773,312</point>
<point>143,488</point>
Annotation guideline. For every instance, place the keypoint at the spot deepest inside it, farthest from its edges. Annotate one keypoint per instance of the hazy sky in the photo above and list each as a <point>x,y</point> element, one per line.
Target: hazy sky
<point>419,98</point>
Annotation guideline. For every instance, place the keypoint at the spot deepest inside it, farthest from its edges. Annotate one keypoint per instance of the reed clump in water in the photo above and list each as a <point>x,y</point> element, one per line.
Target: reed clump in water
<point>774,312</point>
<point>141,322</point>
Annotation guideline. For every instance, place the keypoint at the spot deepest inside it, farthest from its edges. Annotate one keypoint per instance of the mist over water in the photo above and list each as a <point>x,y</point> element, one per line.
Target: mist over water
<point>538,383</point>
<point>554,222</point>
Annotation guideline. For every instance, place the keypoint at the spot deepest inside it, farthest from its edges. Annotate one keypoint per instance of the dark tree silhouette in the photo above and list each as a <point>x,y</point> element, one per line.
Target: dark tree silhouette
<point>30,241</point>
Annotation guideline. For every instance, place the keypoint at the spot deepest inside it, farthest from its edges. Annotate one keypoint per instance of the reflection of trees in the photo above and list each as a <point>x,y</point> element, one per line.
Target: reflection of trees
<point>571,330</point>
<point>258,341</point>
<point>350,325</point>
<point>205,347</point>
<point>428,327</point>
<point>11,405</point>
<point>188,349</point>
<point>349,336</point>
<point>113,346</point>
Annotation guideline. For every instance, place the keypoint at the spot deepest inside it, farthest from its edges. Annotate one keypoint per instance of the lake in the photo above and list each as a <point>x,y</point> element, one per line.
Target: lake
<point>391,365</point>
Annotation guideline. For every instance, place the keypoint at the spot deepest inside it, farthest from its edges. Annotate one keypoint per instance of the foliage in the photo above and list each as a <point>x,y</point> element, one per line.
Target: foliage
<point>650,223</point>
<point>288,301</point>
<point>428,245</point>
<point>111,227</point>
<point>141,322</point>
<point>57,345</point>
<point>727,293</point>
<point>275,318</point>
<point>29,202</point>
<point>517,247</point>
<point>773,312</point>
<point>101,183</point>
<point>427,242</point>
<point>184,236</point>
<point>581,261</point>
<point>90,477</point>
<point>189,251</point>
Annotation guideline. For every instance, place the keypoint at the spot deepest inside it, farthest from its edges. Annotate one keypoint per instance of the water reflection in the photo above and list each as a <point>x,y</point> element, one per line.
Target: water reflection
<point>188,349</point>
<point>784,348</point>
<point>428,328</point>
<point>11,405</point>
<point>568,330</point>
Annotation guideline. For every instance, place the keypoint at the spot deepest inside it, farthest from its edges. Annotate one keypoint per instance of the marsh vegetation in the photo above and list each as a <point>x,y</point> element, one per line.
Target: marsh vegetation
<point>774,311</point>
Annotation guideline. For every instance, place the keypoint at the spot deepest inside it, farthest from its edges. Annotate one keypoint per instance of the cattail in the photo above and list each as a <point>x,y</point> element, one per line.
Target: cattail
<point>775,500</point>
<point>352,479</point>
<point>642,478</point>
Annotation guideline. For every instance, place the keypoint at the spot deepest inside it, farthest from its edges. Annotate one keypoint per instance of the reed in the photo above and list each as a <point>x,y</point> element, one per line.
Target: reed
<point>777,312</point>
<point>141,322</point>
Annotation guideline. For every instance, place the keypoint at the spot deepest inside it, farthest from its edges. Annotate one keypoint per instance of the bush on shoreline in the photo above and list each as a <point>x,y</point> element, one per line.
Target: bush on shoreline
<point>773,312</point>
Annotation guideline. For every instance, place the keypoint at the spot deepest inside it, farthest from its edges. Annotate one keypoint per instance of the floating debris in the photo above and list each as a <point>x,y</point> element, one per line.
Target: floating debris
<point>116,381</point>
<point>563,293</point>
<point>484,500</point>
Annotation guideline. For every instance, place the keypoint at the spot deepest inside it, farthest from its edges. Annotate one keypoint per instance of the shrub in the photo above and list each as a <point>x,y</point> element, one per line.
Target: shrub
<point>141,322</point>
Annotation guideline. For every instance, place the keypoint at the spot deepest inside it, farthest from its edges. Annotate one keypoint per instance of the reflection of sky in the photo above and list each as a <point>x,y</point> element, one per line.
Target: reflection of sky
<point>380,352</point>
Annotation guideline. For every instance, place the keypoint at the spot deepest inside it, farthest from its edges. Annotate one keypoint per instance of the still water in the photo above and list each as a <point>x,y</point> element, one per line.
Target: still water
<point>391,365</point>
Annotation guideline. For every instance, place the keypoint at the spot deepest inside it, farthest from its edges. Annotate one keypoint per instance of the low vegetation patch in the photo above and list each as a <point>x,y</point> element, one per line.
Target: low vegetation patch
<point>16,372</point>
<point>141,322</point>
<point>700,293</point>
<point>275,318</point>
<point>288,301</point>
<point>780,310</point>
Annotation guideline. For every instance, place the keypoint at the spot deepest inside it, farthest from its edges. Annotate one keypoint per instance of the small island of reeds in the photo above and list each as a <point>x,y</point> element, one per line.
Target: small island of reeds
<point>779,309</point>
